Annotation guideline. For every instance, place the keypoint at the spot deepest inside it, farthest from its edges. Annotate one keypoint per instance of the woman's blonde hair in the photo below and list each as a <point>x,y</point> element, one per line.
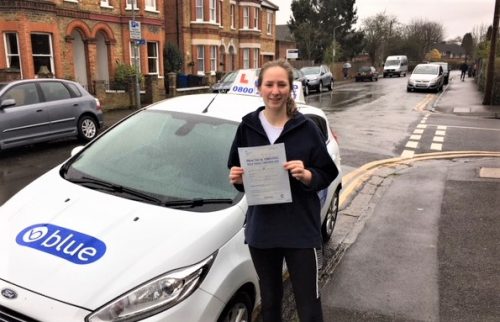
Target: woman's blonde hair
<point>290,103</point>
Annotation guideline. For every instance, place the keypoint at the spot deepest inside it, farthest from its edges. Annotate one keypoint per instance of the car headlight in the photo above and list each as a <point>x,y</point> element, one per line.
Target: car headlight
<point>154,296</point>
<point>411,82</point>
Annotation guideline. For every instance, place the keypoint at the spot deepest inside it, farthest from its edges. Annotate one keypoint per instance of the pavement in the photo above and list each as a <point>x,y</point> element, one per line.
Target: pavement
<point>429,247</point>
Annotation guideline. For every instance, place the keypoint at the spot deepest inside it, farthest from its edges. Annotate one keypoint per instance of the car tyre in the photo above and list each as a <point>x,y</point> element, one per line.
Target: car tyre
<point>238,309</point>
<point>320,87</point>
<point>330,86</point>
<point>331,218</point>
<point>87,128</point>
<point>306,90</point>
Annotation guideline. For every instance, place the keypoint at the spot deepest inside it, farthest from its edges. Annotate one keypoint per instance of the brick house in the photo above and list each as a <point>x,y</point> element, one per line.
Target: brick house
<point>222,35</point>
<point>83,40</point>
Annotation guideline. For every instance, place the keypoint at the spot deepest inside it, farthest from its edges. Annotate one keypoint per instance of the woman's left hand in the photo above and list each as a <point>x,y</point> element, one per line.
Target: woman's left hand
<point>298,171</point>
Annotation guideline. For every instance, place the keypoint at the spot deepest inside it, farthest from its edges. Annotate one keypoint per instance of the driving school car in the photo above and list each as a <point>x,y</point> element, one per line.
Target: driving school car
<point>141,223</point>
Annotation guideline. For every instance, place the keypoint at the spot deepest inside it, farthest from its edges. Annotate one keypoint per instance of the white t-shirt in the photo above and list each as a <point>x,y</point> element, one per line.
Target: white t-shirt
<point>272,132</point>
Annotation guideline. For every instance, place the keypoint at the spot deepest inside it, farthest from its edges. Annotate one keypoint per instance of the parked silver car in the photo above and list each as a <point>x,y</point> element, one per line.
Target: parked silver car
<point>426,77</point>
<point>38,110</point>
<point>446,70</point>
<point>318,77</point>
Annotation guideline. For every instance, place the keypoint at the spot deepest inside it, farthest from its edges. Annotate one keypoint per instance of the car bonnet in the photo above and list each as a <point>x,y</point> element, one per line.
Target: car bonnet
<point>84,247</point>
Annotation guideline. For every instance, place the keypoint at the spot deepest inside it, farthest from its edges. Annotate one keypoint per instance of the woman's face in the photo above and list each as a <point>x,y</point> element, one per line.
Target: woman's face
<point>275,88</point>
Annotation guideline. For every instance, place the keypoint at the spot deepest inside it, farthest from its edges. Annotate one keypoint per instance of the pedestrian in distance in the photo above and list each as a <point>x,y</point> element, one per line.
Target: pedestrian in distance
<point>463,68</point>
<point>285,232</point>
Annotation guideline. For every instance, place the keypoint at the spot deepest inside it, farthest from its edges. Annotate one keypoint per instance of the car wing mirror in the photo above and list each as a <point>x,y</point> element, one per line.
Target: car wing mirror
<point>8,102</point>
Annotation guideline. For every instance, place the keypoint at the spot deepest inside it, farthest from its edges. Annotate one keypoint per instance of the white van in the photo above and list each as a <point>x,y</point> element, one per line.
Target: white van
<point>396,65</point>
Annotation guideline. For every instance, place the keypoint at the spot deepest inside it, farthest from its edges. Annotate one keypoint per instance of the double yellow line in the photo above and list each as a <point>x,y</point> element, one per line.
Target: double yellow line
<point>420,107</point>
<point>353,181</point>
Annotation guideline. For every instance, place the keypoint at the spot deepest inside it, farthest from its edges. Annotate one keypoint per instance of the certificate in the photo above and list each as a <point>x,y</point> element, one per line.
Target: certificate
<point>265,179</point>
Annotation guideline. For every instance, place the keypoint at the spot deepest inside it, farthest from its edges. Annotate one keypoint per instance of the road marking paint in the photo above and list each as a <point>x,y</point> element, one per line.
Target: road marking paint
<point>423,103</point>
<point>441,127</point>
<point>418,131</point>
<point>415,137</point>
<point>407,154</point>
<point>441,133</point>
<point>421,126</point>
<point>436,146</point>
<point>438,139</point>
<point>412,144</point>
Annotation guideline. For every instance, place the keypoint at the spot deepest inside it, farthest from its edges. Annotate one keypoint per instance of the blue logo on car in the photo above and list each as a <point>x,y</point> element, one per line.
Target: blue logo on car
<point>62,242</point>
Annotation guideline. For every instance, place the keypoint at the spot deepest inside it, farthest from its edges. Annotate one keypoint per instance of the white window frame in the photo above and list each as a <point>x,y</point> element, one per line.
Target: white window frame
<point>269,23</point>
<point>105,4</point>
<point>9,53</point>
<point>256,58</point>
<point>155,58</point>
<point>246,17</point>
<point>256,15</point>
<point>200,58</point>
<point>232,15</point>
<point>246,58</point>
<point>50,55</point>
<point>129,5</point>
<point>213,58</point>
<point>212,9</point>
<point>151,5</point>
<point>199,10</point>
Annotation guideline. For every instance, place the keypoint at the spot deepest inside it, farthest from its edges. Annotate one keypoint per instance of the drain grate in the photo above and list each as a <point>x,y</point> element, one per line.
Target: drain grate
<point>489,173</point>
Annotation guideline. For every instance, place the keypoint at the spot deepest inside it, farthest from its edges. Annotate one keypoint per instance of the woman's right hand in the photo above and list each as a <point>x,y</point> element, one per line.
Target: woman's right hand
<point>236,175</point>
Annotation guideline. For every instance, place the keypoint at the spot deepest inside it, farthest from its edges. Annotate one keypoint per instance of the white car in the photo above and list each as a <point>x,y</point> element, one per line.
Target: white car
<point>426,77</point>
<point>141,223</point>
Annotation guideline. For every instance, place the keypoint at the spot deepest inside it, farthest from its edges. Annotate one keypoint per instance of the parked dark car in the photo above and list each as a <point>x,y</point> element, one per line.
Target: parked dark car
<point>43,109</point>
<point>224,84</point>
<point>367,73</point>
<point>318,77</point>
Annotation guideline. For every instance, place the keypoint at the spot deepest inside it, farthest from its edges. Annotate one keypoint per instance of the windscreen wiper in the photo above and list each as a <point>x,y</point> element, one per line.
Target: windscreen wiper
<point>196,202</point>
<point>111,187</point>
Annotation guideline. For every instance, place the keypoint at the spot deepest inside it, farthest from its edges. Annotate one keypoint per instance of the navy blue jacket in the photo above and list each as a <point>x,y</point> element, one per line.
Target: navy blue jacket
<point>296,224</point>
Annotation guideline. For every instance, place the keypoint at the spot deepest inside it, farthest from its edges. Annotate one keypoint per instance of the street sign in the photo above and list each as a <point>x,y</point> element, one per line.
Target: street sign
<point>135,29</point>
<point>140,42</point>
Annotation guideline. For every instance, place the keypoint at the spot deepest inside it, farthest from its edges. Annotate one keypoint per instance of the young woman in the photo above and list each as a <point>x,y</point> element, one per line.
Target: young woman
<point>286,231</point>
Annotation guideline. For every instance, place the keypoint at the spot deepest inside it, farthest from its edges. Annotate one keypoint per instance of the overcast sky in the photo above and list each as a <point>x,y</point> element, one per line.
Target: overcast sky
<point>457,17</point>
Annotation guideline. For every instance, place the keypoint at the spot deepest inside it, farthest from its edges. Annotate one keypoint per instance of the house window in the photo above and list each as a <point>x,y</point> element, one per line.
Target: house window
<point>233,10</point>
<point>213,58</point>
<point>199,10</point>
<point>256,19</point>
<point>246,17</point>
<point>256,58</point>
<point>105,3</point>
<point>130,4</point>
<point>201,58</point>
<point>150,5</point>
<point>212,8</point>
<point>41,48</point>
<point>12,49</point>
<point>135,57</point>
<point>246,58</point>
<point>269,23</point>
<point>153,65</point>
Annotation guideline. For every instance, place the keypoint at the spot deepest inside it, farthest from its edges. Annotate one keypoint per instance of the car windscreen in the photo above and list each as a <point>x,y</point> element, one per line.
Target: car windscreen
<point>426,69</point>
<point>310,70</point>
<point>169,156</point>
<point>394,62</point>
<point>365,69</point>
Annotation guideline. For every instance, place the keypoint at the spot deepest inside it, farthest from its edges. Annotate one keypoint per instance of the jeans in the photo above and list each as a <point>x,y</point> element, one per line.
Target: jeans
<point>302,266</point>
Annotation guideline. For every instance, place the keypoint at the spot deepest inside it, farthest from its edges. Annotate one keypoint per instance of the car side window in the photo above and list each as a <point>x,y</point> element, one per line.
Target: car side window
<point>54,91</point>
<point>74,90</point>
<point>24,94</point>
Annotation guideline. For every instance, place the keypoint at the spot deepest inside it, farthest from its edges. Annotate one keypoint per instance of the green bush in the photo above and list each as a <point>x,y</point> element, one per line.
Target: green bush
<point>123,74</point>
<point>173,59</point>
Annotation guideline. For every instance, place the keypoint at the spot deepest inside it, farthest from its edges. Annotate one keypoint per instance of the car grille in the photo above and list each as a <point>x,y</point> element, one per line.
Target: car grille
<point>7,315</point>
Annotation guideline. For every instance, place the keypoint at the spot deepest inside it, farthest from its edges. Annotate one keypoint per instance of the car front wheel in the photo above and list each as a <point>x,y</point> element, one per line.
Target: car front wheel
<point>331,218</point>
<point>306,90</point>
<point>320,87</point>
<point>87,128</point>
<point>330,86</point>
<point>238,309</point>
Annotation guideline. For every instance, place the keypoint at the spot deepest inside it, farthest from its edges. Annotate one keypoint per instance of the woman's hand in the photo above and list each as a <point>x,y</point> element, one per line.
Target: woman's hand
<point>236,175</point>
<point>298,171</point>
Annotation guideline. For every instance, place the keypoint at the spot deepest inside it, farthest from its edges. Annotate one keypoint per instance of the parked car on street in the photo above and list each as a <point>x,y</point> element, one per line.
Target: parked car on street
<point>43,109</point>
<point>367,73</point>
<point>298,75</point>
<point>318,77</point>
<point>446,71</point>
<point>396,65</point>
<point>142,222</point>
<point>426,77</point>
<point>224,84</point>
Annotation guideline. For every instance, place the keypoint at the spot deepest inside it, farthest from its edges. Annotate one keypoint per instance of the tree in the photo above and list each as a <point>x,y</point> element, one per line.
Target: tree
<point>421,35</point>
<point>433,55</point>
<point>378,30</point>
<point>173,58</point>
<point>490,70</point>
<point>468,45</point>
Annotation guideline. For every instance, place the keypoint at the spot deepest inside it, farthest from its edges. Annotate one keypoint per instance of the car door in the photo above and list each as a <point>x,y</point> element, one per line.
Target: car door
<point>26,119</point>
<point>62,107</point>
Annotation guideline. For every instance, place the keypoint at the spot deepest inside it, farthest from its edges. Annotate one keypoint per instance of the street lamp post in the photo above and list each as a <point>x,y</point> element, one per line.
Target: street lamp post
<point>136,67</point>
<point>334,44</point>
